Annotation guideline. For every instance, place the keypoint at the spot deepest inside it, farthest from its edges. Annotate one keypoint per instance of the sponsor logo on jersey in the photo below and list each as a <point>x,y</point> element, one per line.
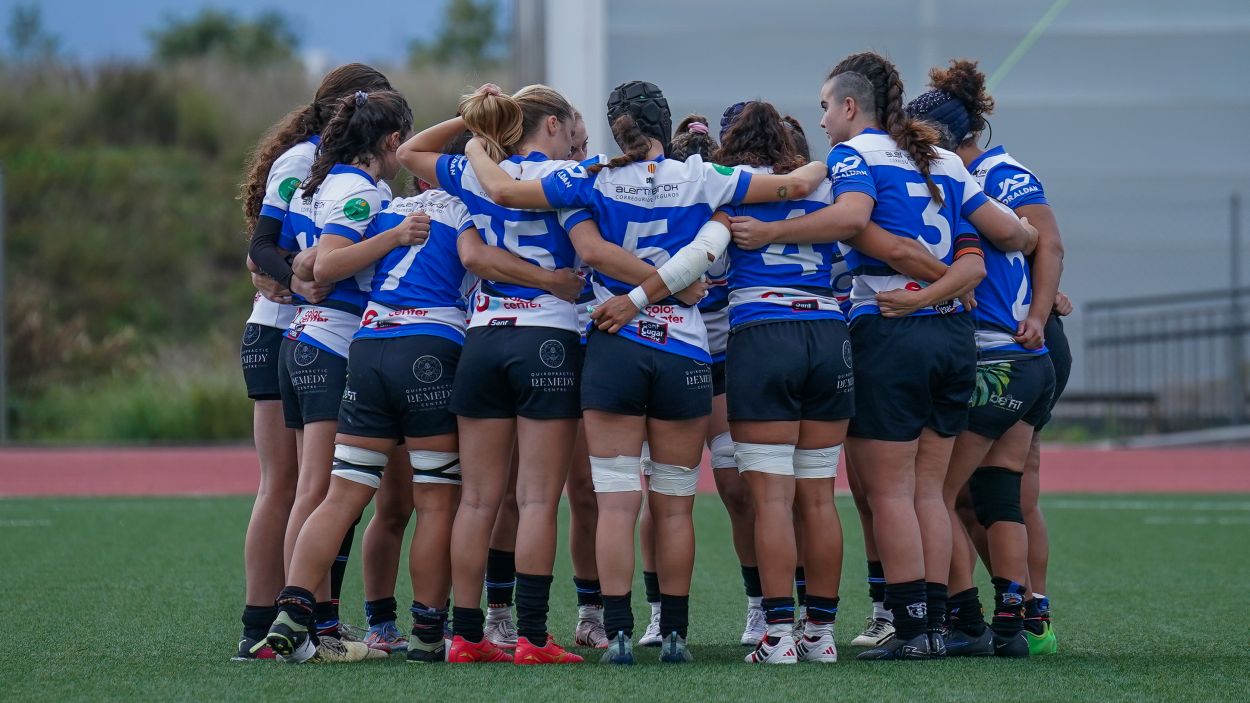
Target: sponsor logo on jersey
<point>502,322</point>
<point>1016,182</point>
<point>804,305</point>
<point>551,353</point>
<point>850,166</point>
<point>947,307</point>
<point>427,369</point>
<point>251,333</point>
<point>286,190</point>
<point>653,331</point>
<point>356,209</point>
<point>723,170</point>
<point>305,354</point>
<point>650,169</point>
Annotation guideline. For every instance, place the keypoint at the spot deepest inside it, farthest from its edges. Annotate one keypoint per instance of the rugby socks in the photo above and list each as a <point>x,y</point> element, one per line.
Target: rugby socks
<point>936,595</point>
<point>257,620</point>
<point>427,622</point>
<point>1037,613</point>
<point>876,582</point>
<point>588,593</point>
<point>532,594</point>
<point>965,614</point>
<point>674,614</point>
<point>800,584</point>
<point>751,583</point>
<point>339,569</point>
<point>468,623</point>
<point>908,602</point>
<point>380,611</point>
<point>651,581</point>
<point>500,578</point>
<point>299,604</point>
<point>1008,607</point>
<point>326,615</point>
<point>779,613</point>
<point>822,612</point>
<point>618,615</point>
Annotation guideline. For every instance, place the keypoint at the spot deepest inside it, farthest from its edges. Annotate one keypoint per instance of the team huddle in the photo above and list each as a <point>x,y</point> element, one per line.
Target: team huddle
<point>537,322</point>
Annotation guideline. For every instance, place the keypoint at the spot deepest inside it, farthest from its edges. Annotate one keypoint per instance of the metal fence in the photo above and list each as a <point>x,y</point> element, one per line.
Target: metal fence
<point>1164,364</point>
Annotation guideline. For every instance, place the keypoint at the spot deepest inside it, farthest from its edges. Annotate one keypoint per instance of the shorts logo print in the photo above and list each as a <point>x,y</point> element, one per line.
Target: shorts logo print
<point>427,369</point>
<point>992,380</point>
<point>305,354</point>
<point>846,353</point>
<point>251,333</point>
<point>551,353</point>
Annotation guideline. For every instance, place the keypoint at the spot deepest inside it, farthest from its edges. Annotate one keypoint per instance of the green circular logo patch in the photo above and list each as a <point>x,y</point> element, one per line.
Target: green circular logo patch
<point>723,170</point>
<point>287,190</point>
<point>356,209</point>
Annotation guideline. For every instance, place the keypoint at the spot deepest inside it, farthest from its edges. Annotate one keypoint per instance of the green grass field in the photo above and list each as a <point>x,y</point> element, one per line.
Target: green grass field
<point>140,598</point>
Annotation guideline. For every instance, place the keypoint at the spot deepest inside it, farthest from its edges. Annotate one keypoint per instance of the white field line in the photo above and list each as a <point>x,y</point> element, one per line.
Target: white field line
<point>1220,521</point>
<point>1147,504</point>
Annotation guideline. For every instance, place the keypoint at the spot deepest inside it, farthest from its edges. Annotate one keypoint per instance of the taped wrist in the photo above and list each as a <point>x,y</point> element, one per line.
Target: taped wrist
<point>639,297</point>
<point>694,259</point>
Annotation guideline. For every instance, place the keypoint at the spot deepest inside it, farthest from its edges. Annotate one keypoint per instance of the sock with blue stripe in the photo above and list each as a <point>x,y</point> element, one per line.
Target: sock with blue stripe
<point>779,613</point>
<point>500,578</point>
<point>588,593</point>
<point>380,610</point>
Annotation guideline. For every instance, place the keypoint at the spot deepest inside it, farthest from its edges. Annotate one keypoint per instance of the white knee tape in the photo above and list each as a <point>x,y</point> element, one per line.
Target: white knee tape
<point>645,459</point>
<point>358,465</point>
<point>671,480</point>
<point>435,467</point>
<point>617,474</point>
<point>722,446</point>
<point>817,463</point>
<point>765,458</point>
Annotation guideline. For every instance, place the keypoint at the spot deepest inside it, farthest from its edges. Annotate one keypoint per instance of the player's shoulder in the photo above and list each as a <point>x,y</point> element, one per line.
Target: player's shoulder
<point>294,163</point>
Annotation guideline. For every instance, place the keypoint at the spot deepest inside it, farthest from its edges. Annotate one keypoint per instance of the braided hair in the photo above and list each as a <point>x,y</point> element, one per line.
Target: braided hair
<point>912,135</point>
<point>357,131</point>
<point>298,126</point>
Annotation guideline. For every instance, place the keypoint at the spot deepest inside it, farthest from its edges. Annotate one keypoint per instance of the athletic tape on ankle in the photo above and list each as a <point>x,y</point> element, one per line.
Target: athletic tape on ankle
<point>817,463</point>
<point>722,446</point>
<point>434,467</point>
<point>618,474</point>
<point>777,459</point>
<point>363,466</point>
<point>672,480</point>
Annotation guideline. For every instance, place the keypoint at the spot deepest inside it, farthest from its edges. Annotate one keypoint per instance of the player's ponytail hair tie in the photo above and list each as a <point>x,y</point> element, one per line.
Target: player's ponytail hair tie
<point>696,128</point>
<point>729,116</point>
<point>361,98</point>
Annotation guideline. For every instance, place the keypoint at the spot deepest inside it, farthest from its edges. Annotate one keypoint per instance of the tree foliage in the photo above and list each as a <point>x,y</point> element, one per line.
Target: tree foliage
<point>469,37</point>
<point>266,40</point>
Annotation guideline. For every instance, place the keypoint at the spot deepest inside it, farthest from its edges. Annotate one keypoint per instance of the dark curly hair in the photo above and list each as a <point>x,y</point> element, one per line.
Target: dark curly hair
<point>759,137</point>
<point>356,132</point>
<point>966,84</point>
<point>300,124</point>
<point>884,99</point>
<point>687,142</point>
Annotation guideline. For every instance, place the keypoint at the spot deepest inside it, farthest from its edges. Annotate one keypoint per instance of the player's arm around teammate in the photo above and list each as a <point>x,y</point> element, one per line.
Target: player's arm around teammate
<point>281,160</point>
<point>342,200</point>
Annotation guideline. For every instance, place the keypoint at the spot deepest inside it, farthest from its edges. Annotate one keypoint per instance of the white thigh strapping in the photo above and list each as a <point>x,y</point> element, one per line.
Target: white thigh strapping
<point>775,459</point>
<point>817,463</point>
<point>722,447</point>
<point>672,480</point>
<point>363,466</point>
<point>617,474</point>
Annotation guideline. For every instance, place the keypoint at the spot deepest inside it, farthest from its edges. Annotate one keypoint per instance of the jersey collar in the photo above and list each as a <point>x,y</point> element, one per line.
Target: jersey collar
<point>344,168</point>
<point>315,139</point>
<point>872,130</point>
<point>996,151</point>
<point>532,156</point>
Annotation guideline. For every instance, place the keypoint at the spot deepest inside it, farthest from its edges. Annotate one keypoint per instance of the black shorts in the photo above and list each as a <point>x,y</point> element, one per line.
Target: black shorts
<point>628,378</point>
<point>1061,358</point>
<point>259,352</point>
<point>912,373</point>
<point>1009,391</point>
<point>718,378</point>
<point>399,387</point>
<point>532,372</point>
<point>790,370</point>
<point>311,380</point>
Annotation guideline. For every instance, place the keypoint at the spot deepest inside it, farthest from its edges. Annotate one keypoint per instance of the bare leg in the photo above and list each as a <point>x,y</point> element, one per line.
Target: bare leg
<point>279,471</point>
<point>316,459</point>
<point>384,537</point>
<point>485,459</point>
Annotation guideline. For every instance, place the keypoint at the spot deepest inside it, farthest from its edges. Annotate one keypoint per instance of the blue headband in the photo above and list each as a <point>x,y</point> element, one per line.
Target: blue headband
<point>944,109</point>
<point>729,117</point>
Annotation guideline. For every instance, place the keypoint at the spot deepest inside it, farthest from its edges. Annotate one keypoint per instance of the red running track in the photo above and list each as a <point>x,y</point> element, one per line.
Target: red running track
<point>182,471</point>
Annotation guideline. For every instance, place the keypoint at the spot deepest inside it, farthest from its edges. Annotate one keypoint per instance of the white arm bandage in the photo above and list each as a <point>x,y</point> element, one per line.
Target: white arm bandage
<point>694,259</point>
